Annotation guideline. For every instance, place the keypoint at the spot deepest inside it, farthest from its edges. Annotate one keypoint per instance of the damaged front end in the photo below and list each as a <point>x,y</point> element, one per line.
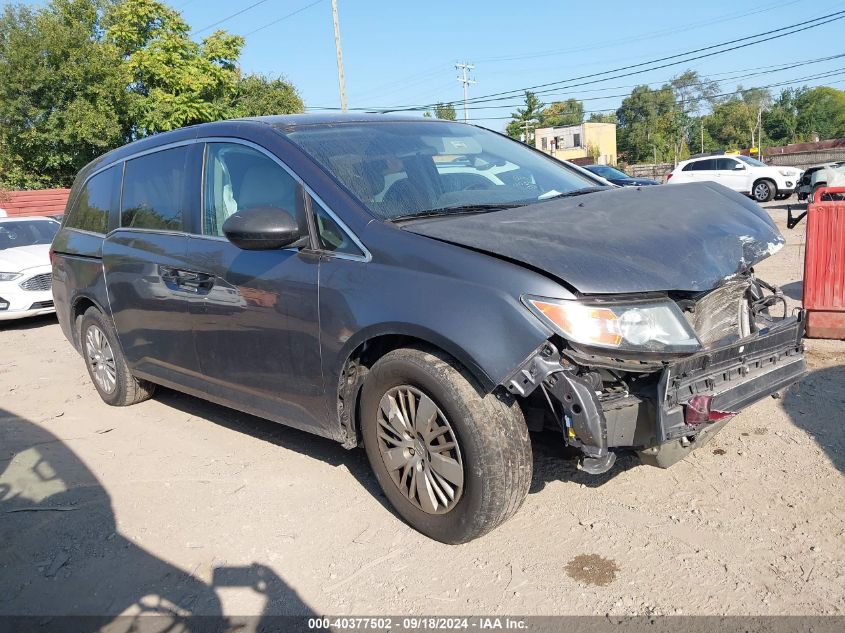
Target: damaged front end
<point>658,374</point>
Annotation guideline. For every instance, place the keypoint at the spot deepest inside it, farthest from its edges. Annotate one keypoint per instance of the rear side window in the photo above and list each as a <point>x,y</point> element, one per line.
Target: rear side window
<point>91,210</point>
<point>704,165</point>
<point>154,191</point>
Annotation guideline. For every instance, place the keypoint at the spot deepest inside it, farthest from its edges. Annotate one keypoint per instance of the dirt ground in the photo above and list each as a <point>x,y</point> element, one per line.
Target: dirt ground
<point>180,505</point>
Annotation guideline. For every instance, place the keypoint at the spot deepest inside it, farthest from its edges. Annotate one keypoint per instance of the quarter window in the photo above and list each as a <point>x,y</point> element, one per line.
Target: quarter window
<point>239,178</point>
<point>154,191</point>
<point>91,210</point>
<point>330,236</point>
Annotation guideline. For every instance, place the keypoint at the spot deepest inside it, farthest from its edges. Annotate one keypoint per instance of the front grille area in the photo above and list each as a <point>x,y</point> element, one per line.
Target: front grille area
<point>717,315</point>
<point>40,305</point>
<point>38,282</point>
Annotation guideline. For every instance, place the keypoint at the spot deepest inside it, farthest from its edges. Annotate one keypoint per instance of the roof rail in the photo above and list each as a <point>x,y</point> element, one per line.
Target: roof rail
<point>718,152</point>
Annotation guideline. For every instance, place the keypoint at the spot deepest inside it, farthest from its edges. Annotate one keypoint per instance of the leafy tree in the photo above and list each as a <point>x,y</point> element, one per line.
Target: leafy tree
<point>526,118</point>
<point>62,93</point>
<point>647,125</point>
<point>780,121</point>
<point>174,80</point>
<point>602,117</point>
<point>257,95</point>
<point>821,111</point>
<point>80,77</point>
<point>569,112</point>
<point>445,111</point>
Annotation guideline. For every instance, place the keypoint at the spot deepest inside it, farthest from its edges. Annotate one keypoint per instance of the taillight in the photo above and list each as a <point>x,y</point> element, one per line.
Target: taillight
<point>51,256</point>
<point>668,176</point>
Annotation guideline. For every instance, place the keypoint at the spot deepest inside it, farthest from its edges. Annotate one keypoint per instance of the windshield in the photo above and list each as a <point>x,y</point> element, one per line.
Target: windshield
<point>27,233</point>
<point>608,172</point>
<point>404,169</point>
<point>751,161</point>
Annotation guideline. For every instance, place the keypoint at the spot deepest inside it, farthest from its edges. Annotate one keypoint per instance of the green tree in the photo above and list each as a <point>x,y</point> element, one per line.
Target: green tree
<point>647,122</point>
<point>256,95</point>
<point>445,111</point>
<point>602,117</point>
<point>569,112</point>
<point>174,80</point>
<point>526,118</point>
<point>780,121</point>
<point>62,93</point>
<point>821,111</point>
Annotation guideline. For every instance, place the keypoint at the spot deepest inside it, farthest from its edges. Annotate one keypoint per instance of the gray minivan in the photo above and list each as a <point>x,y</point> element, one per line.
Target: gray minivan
<point>429,289</point>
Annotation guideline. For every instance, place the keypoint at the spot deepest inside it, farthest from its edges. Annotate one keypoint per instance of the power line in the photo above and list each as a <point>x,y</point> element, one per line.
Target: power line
<point>284,17</point>
<point>229,17</point>
<point>735,74</point>
<point>742,43</point>
<point>644,36</point>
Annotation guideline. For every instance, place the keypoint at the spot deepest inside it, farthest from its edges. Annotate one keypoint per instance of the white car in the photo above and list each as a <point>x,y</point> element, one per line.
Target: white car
<point>740,173</point>
<point>26,276</point>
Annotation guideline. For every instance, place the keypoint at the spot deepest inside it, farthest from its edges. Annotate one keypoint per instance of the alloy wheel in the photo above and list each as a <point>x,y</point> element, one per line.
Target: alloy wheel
<point>420,450</point>
<point>761,191</point>
<point>100,358</point>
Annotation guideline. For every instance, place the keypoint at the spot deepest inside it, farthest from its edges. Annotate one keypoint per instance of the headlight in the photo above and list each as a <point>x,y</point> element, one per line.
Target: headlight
<point>786,172</point>
<point>9,276</point>
<point>652,325</point>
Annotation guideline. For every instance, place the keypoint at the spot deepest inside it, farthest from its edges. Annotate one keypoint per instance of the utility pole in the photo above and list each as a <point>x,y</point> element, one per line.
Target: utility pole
<point>340,80</point>
<point>465,67</point>
<point>702,134</point>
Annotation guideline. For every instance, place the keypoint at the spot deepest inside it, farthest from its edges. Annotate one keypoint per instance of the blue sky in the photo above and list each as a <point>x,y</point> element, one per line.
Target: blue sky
<point>400,53</point>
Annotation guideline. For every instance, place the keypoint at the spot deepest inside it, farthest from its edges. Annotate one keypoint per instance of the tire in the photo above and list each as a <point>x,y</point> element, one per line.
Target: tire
<point>106,365</point>
<point>491,449</point>
<point>763,190</point>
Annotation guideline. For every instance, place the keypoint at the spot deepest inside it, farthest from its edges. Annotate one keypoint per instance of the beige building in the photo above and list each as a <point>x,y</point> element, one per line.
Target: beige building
<point>573,142</point>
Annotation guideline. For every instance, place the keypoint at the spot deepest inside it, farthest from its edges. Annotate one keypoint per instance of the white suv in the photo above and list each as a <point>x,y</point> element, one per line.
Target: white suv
<point>740,173</point>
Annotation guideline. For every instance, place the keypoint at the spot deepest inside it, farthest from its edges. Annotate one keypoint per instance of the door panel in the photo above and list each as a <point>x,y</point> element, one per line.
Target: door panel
<point>254,315</point>
<point>149,310</point>
<point>257,332</point>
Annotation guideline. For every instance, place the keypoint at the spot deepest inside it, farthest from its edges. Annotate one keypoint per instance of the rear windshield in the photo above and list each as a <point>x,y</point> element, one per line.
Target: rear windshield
<point>27,233</point>
<point>404,169</point>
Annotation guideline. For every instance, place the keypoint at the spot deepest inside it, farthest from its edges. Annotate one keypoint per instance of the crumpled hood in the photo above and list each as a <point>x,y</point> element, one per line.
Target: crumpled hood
<point>687,237</point>
<point>19,258</point>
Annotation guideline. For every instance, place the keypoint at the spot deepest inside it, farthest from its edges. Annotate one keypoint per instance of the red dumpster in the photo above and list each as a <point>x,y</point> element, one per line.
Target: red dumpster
<point>824,266</point>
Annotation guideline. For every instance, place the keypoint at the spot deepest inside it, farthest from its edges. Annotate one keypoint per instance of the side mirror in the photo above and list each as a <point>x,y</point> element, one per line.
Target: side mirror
<point>739,167</point>
<point>262,229</point>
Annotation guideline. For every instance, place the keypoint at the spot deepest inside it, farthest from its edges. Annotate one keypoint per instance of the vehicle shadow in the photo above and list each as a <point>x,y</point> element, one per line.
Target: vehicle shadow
<point>555,462</point>
<point>314,446</point>
<point>62,553</point>
<point>29,323</point>
<point>817,406</point>
<point>794,290</point>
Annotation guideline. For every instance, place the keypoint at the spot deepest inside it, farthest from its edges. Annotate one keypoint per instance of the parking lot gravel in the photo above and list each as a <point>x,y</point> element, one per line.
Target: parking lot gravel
<point>177,505</point>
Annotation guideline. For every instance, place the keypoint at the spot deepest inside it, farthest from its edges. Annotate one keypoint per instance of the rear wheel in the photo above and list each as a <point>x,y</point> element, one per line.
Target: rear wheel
<point>106,365</point>
<point>763,190</point>
<point>454,464</point>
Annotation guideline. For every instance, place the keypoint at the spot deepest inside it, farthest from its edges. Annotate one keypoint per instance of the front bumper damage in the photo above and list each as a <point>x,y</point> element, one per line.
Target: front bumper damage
<point>651,414</point>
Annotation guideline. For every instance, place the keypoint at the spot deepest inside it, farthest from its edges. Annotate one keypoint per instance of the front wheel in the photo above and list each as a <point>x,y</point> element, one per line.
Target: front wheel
<point>763,191</point>
<point>454,463</point>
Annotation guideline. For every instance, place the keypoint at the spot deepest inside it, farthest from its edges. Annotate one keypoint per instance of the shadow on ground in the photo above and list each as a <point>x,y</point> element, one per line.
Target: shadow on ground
<point>825,419</point>
<point>794,290</point>
<point>61,552</point>
<point>29,323</point>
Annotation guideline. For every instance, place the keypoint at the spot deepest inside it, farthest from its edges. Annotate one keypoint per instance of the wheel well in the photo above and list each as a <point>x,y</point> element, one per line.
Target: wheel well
<point>79,308</point>
<point>355,371</point>
<point>768,180</point>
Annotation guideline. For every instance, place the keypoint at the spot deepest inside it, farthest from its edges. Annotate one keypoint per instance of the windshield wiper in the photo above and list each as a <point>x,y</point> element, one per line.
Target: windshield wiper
<point>574,192</point>
<point>458,210</point>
